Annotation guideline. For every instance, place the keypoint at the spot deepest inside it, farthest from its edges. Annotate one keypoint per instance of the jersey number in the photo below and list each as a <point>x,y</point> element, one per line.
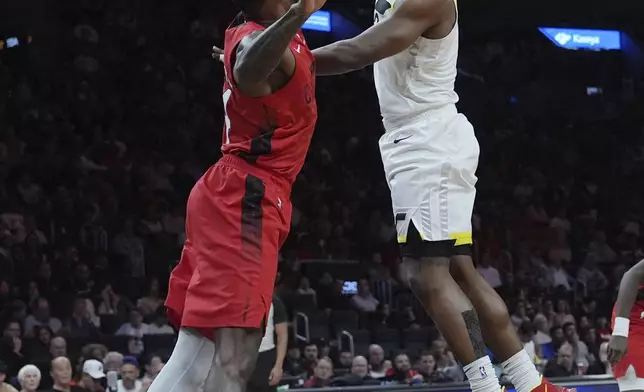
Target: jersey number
<point>226,97</point>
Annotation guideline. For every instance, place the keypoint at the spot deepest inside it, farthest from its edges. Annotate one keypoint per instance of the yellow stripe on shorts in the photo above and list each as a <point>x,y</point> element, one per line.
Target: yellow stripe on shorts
<point>464,238</point>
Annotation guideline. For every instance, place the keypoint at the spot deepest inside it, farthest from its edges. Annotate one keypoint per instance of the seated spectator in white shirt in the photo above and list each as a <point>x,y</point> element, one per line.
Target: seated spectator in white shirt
<point>41,318</point>
<point>559,275</point>
<point>599,247</point>
<point>364,301</point>
<point>591,276</point>
<point>135,327</point>
<point>488,272</point>
<point>159,325</point>
<point>129,381</point>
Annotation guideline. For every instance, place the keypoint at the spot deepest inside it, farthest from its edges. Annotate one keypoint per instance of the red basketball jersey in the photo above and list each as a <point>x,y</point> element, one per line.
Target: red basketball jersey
<point>635,355</point>
<point>273,132</point>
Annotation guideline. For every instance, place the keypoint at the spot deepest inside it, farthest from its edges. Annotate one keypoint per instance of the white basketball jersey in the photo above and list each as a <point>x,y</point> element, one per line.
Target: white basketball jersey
<point>418,79</point>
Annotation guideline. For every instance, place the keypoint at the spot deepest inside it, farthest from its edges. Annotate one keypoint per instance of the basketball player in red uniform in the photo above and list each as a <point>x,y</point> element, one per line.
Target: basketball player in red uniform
<point>239,212</point>
<point>626,345</point>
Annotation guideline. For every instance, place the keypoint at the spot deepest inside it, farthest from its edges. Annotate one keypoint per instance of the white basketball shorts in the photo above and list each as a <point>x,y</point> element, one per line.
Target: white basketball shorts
<point>430,164</point>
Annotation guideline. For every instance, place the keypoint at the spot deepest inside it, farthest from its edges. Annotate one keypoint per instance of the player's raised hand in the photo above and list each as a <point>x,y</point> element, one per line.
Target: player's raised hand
<point>307,7</point>
<point>218,54</point>
<point>617,348</point>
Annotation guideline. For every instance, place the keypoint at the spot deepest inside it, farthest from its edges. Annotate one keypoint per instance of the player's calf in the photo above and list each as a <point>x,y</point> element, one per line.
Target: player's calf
<point>235,360</point>
<point>430,281</point>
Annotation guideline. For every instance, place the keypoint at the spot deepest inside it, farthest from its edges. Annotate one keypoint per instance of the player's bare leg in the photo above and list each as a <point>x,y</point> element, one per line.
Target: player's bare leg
<point>430,280</point>
<point>498,331</point>
<point>235,358</point>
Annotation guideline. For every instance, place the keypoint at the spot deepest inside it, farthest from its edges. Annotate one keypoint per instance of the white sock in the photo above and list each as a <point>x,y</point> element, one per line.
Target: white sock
<point>482,376</point>
<point>522,372</point>
<point>188,365</point>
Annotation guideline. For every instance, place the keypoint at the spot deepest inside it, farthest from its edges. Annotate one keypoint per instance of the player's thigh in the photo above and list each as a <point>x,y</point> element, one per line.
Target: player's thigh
<point>237,349</point>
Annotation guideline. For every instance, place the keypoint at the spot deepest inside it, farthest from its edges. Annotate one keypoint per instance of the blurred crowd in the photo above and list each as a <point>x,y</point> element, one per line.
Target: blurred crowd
<point>100,147</point>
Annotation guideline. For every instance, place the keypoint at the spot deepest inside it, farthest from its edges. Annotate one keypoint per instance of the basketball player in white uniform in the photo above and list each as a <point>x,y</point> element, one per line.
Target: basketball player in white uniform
<point>430,155</point>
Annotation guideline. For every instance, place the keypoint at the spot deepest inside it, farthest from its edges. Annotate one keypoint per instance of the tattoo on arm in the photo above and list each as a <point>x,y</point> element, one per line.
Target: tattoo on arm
<point>261,57</point>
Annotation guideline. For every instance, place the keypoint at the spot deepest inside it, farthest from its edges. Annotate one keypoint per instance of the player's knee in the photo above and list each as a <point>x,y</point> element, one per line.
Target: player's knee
<point>425,276</point>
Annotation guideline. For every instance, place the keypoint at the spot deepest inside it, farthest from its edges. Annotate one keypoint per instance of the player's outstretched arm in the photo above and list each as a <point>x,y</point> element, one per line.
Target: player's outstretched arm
<point>259,54</point>
<point>384,39</point>
<point>626,297</point>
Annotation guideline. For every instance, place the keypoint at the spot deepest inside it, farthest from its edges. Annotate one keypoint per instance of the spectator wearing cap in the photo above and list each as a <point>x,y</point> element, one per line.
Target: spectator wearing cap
<point>92,376</point>
<point>5,387</point>
<point>29,378</point>
<point>129,381</point>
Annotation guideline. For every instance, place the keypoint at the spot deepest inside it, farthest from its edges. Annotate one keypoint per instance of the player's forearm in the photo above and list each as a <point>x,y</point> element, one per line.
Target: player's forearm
<point>338,58</point>
<point>628,289</point>
<point>259,59</point>
<point>282,345</point>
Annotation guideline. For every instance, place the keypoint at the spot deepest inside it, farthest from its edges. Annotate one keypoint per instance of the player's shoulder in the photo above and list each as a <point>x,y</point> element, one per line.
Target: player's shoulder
<point>419,8</point>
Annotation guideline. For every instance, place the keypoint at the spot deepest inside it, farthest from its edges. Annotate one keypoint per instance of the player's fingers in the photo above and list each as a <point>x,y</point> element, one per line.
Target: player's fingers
<point>217,50</point>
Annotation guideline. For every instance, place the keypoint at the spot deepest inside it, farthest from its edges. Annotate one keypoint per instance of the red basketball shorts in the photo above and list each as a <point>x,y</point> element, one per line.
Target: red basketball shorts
<point>237,218</point>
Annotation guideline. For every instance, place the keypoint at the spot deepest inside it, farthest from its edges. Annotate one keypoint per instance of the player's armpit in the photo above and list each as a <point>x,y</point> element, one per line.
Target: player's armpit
<point>389,37</point>
<point>628,290</point>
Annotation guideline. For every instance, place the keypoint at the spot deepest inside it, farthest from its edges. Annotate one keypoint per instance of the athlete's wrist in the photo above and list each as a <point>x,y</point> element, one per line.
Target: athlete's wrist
<point>621,326</point>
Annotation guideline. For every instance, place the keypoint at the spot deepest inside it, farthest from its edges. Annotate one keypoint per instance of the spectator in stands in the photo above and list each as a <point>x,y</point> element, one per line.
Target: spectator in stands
<point>427,368</point>
<point>29,378</point>
<point>38,350</point>
<point>364,301</point>
<point>5,387</point>
<point>599,247</point>
<point>304,288</point>
<point>528,338</point>
<point>293,363</point>
<point>41,317</point>
<point>135,327</point>
<point>558,337</point>
<point>358,375</point>
<point>58,347</point>
<point>152,301</point>
<point>153,366</point>
<point>541,325</point>
<point>311,355</point>
<point>61,372</point>
<point>129,381</point>
<point>488,271</point>
<point>345,360</point>
<point>113,304</point>
<point>602,366</point>
<point>159,324</point>
<point>80,324</point>
<point>560,250</point>
<point>402,371</point>
<point>11,352</point>
<point>376,361</point>
<point>590,276</point>
<point>580,350</point>
<point>563,365</point>
<point>113,361</point>
<point>563,315</point>
<point>92,375</point>
<point>445,361</point>
<point>559,276</point>
<point>322,374</point>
